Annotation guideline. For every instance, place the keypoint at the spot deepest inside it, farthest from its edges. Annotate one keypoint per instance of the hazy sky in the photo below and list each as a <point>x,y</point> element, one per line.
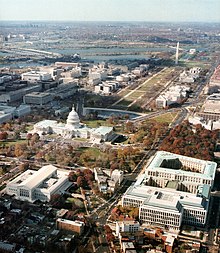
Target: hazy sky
<point>111,10</point>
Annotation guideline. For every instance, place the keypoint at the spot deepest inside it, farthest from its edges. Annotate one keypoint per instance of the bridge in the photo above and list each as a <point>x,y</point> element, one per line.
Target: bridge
<point>40,52</point>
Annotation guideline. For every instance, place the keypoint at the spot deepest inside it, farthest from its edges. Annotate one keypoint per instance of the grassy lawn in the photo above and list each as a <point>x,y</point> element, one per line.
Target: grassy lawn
<point>124,92</point>
<point>11,143</point>
<point>135,95</point>
<point>166,117</point>
<point>81,139</point>
<point>93,152</point>
<point>75,201</point>
<point>96,123</point>
<point>124,102</point>
<point>190,64</point>
<point>29,128</point>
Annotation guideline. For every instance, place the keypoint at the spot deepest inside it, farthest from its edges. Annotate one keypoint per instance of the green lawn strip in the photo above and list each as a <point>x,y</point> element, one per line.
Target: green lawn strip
<point>96,123</point>
<point>11,143</point>
<point>76,201</point>
<point>124,102</point>
<point>94,152</point>
<point>135,95</point>
<point>166,118</point>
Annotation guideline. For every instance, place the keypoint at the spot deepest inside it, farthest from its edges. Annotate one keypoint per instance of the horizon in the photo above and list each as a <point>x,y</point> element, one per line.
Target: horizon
<point>178,11</point>
<point>111,21</point>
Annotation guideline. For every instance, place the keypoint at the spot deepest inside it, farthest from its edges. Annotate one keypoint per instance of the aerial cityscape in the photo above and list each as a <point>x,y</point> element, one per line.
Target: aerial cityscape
<point>109,126</point>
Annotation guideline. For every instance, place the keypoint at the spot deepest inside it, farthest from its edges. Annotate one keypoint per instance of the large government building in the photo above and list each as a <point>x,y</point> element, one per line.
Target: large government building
<point>174,190</point>
<point>74,129</point>
<point>39,185</point>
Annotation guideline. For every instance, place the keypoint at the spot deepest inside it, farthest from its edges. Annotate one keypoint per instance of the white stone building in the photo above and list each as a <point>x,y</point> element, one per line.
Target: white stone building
<point>190,76</point>
<point>74,129</point>
<point>175,94</point>
<point>127,226</point>
<point>36,76</point>
<point>39,185</point>
<point>106,88</point>
<point>169,196</point>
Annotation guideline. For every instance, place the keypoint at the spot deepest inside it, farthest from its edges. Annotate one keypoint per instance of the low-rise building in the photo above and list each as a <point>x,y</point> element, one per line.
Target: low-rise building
<point>106,88</point>
<point>13,96</point>
<point>76,72</point>
<point>22,110</point>
<point>40,185</point>
<point>168,195</point>
<point>8,112</point>
<point>175,94</point>
<point>128,247</point>
<point>69,225</point>
<point>108,180</point>
<point>190,76</point>
<point>36,76</point>
<point>127,226</point>
<point>37,98</point>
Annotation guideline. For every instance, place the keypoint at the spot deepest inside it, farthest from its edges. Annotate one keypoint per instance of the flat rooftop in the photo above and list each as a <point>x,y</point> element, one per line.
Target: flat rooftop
<point>32,178</point>
<point>38,94</point>
<point>164,197</point>
<point>208,168</point>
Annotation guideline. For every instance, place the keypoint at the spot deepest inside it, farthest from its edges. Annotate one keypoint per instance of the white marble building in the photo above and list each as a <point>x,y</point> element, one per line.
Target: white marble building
<point>74,129</point>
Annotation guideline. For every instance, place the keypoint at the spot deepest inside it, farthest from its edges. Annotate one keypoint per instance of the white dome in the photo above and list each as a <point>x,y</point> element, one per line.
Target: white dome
<point>73,119</point>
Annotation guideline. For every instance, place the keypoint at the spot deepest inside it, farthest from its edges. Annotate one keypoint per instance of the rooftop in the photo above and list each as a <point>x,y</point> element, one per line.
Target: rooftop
<point>164,197</point>
<point>41,178</point>
<point>208,168</point>
<point>103,130</point>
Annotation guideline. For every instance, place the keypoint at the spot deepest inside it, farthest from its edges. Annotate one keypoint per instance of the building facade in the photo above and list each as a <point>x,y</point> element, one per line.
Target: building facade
<point>37,98</point>
<point>127,226</point>
<point>167,195</point>
<point>74,129</point>
<point>36,76</point>
<point>69,225</point>
<point>39,185</point>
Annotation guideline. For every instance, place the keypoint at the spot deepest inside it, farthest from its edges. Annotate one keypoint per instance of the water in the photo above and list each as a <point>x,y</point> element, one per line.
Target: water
<point>96,54</point>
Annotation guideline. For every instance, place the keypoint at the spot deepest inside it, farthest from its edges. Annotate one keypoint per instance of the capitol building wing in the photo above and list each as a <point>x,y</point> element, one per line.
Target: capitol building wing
<point>74,129</point>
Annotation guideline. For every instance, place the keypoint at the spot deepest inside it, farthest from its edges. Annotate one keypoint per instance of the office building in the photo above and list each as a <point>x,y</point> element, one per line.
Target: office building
<point>174,190</point>
<point>37,98</point>
<point>127,226</point>
<point>40,185</point>
<point>36,76</point>
<point>69,225</point>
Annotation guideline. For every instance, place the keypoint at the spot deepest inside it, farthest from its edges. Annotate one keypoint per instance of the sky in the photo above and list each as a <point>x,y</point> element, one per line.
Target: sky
<point>111,10</point>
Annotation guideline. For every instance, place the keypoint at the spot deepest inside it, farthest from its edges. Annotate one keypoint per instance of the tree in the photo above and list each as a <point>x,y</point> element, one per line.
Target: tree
<point>3,135</point>
<point>7,126</point>
<point>129,127</point>
<point>24,166</point>
<point>34,139</point>
<point>72,176</point>
<point>20,149</point>
<point>80,181</point>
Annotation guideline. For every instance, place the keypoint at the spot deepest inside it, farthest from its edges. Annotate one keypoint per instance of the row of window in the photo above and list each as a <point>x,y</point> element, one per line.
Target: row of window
<point>178,177</point>
<point>160,221</point>
<point>24,193</point>
<point>131,202</point>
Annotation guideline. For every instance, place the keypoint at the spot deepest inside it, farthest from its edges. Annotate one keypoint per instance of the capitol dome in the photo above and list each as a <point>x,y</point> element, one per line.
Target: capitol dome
<point>73,119</point>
